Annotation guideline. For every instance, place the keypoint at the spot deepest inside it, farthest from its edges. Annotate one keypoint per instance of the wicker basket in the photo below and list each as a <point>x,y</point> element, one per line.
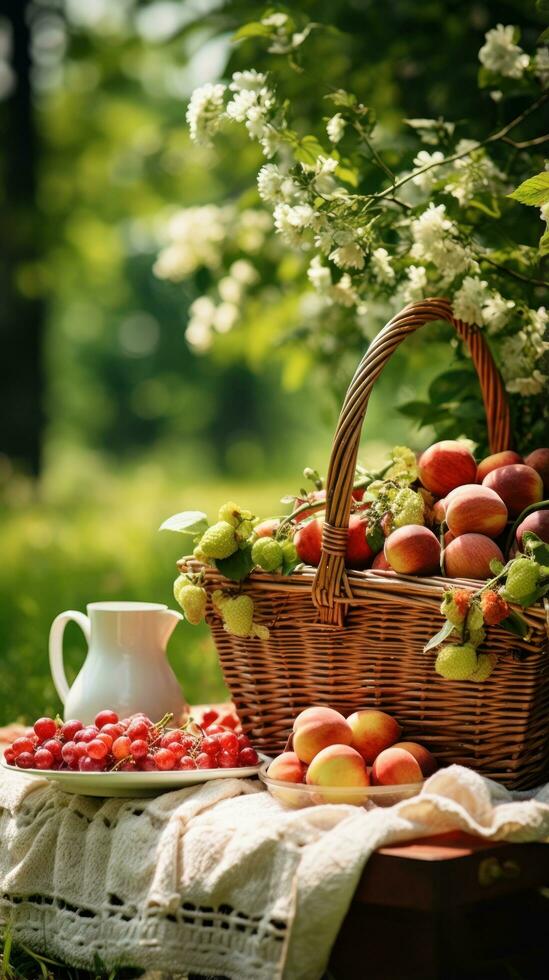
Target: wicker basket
<point>354,639</point>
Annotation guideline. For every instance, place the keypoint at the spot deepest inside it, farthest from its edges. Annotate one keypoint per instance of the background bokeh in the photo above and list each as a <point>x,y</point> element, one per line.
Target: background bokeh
<point>108,421</point>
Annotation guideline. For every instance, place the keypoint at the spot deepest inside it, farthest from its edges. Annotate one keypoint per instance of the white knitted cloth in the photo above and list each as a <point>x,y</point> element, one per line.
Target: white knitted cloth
<point>218,878</point>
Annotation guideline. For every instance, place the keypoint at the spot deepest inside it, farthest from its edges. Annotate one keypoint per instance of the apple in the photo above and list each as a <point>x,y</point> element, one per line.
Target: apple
<point>413,550</point>
<point>267,529</point>
<point>395,767</point>
<point>446,465</point>
<point>372,731</point>
<point>539,461</point>
<point>469,556</point>
<point>358,553</point>
<point>308,541</point>
<point>381,562</point>
<point>518,486</point>
<point>493,462</point>
<point>538,523</point>
<point>317,727</point>
<point>477,510</point>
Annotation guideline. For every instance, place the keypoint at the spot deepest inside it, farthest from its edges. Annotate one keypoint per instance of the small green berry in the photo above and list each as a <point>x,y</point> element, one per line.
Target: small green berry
<point>456,662</point>
<point>267,553</point>
<point>193,599</point>
<point>522,579</point>
<point>486,664</point>
<point>219,541</point>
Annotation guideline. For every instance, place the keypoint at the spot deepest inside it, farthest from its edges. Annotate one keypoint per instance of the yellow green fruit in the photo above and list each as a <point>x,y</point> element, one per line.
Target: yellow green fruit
<point>456,662</point>
<point>486,664</point>
<point>219,541</point>
<point>267,553</point>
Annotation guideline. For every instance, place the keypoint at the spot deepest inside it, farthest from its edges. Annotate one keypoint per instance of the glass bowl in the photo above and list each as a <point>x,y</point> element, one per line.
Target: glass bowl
<point>299,795</point>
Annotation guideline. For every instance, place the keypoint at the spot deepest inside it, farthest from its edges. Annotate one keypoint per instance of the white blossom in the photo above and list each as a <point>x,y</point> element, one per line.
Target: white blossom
<point>532,385</point>
<point>205,111</point>
<point>541,65</point>
<point>496,312</point>
<point>428,231</point>
<point>225,317</point>
<point>273,184</point>
<point>252,227</point>
<point>250,105</point>
<point>199,329</point>
<point>416,285</point>
<point>348,256</point>
<point>319,275</point>
<point>324,180</point>
<point>434,241</point>
<point>195,237</point>
<point>229,289</point>
<point>469,300</point>
<point>244,272</point>
<point>474,173</point>
<point>343,292</point>
<point>501,55</point>
<point>381,266</point>
<point>275,20</point>
<point>335,127</point>
<point>426,181</point>
<point>539,319</point>
<point>251,79</point>
<point>290,222</point>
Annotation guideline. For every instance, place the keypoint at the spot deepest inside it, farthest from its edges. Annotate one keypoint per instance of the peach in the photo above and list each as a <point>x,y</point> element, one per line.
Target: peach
<point>477,510</point>
<point>469,556</point>
<point>308,541</point>
<point>381,562</point>
<point>337,767</point>
<point>394,767</point>
<point>446,465</point>
<point>413,550</point>
<point>439,510</point>
<point>538,523</point>
<point>315,728</point>
<point>358,553</point>
<point>539,461</point>
<point>448,536</point>
<point>372,731</point>
<point>493,462</point>
<point>425,759</point>
<point>267,529</point>
<point>288,767</point>
<point>518,486</point>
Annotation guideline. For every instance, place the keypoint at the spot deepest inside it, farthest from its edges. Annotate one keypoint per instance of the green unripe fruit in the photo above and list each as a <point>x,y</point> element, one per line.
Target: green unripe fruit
<point>219,541</point>
<point>457,662</point>
<point>193,599</point>
<point>267,553</point>
<point>486,664</point>
<point>522,579</point>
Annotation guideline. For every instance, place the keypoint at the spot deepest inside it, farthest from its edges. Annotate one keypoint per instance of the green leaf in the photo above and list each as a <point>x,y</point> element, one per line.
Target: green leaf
<point>237,566</point>
<point>496,566</point>
<point>544,36</point>
<point>190,522</point>
<point>534,191</point>
<point>534,545</point>
<point>308,150</point>
<point>375,538</point>
<point>544,244</point>
<point>253,29</point>
<point>289,566</point>
<point>542,6</point>
<point>439,637</point>
<point>516,624</point>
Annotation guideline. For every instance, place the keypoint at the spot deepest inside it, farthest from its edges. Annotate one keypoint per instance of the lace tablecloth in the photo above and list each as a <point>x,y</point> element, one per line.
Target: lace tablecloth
<point>218,878</point>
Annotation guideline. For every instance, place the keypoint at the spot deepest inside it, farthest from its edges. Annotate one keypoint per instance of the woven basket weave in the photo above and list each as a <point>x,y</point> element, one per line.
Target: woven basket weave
<point>353,639</point>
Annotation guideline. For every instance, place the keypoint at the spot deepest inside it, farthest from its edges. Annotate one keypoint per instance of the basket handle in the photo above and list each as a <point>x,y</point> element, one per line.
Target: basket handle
<point>331,580</point>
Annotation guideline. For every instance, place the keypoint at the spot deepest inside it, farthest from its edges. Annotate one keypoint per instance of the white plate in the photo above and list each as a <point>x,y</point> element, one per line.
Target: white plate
<point>133,783</point>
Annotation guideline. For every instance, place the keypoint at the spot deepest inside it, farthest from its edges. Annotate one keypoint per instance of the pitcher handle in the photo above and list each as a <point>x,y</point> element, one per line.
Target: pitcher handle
<point>56,647</point>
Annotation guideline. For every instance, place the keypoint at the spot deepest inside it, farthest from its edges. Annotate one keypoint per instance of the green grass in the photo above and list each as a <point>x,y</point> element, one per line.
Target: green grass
<point>18,962</point>
<point>73,543</point>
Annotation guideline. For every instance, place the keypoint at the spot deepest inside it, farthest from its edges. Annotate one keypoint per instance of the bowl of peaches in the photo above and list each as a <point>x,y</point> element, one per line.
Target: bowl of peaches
<point>358,760</point>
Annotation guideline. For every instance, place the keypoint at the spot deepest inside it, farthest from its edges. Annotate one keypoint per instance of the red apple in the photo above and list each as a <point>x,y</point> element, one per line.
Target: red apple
<point>446,465</point>
<point>413,550</point>
<point>358,552</point>
<point>308,541</point>
<point>469,556</point>
<point>518,486</point>
<point>539,461</point>
<point>495,461</point>
<point>381,562</point>
<point>538,523</point>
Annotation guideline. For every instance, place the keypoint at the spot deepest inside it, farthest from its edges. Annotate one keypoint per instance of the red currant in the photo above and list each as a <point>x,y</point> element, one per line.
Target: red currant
<point>126,766</point>
<point>70,728</point>
<point>138,729</point>
<point>209,717</point>
<point>211,745</point>
<point>87,764</point>
<point>139,748</point>
<point>86,734</point>
<point>25,760</point>
<point>106,739</point>
<point>121,747</point>
<point>54,746</point>
<point>9,756</point>
<point>228,760</point>
<point>176,748</point>
<point>188,742</point>
<point>43,759</point>
<point>22,745</point>
<point>97,749</point>
<point>204,761</point>
<point>165,759</point>
<point>228,721</point>
<point>248,757</point>
<point>114,731</point>
<point>214,730</point>
<point>106,717</point>
<point>186,763</point>
<point>45,728</point>
<point>69,754</point>
<point>229,742</point>
<point>146,764</point>
<point>244,742</point>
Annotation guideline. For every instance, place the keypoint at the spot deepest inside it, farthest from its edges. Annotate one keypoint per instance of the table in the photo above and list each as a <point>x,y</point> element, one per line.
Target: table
<point>450,906</point>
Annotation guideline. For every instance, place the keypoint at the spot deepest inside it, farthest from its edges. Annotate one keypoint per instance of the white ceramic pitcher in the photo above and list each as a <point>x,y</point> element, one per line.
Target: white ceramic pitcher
<point>126,668</point>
